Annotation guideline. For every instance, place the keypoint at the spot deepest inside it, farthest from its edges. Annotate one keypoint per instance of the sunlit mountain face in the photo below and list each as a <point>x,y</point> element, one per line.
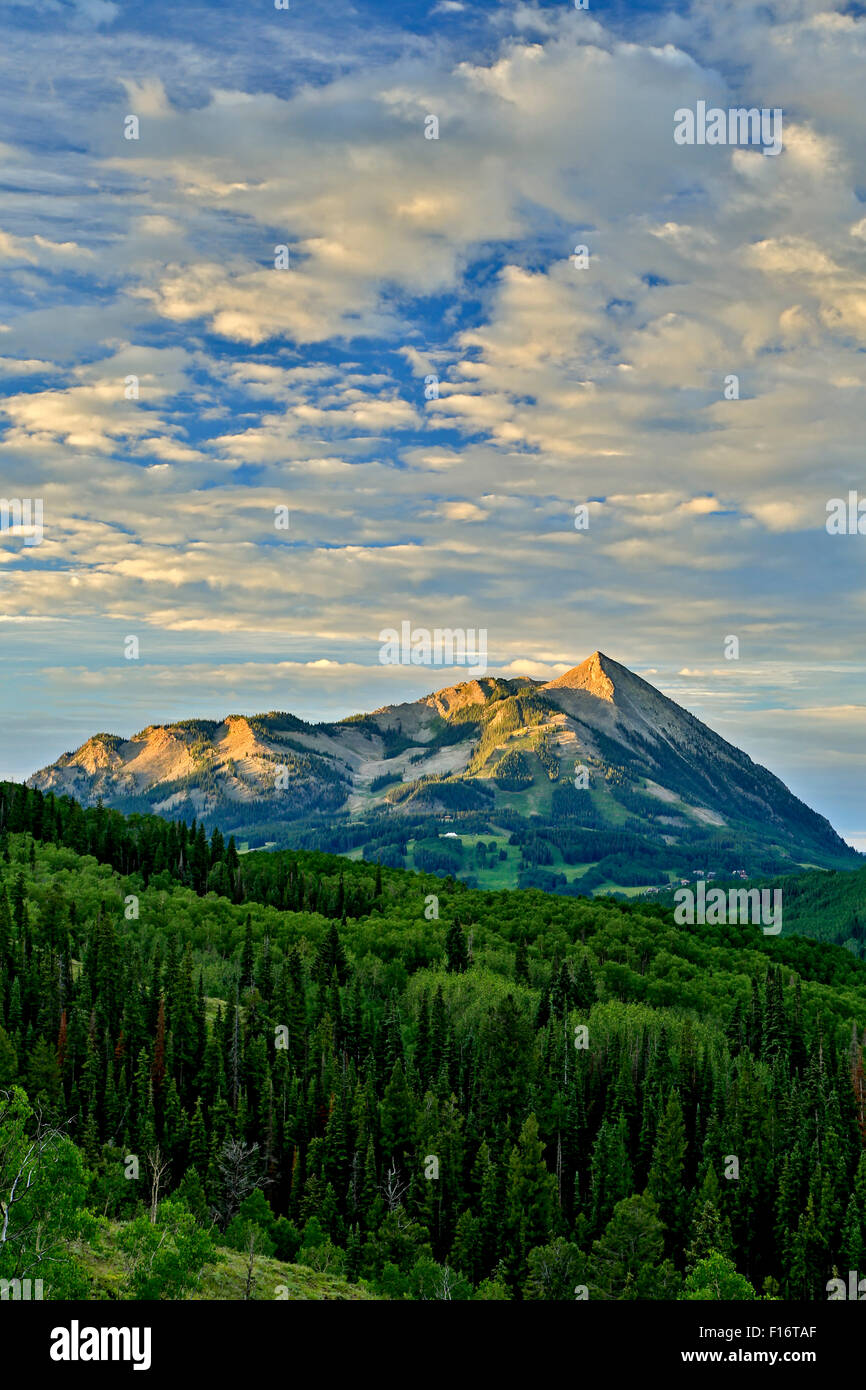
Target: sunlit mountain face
<point>592,780</point>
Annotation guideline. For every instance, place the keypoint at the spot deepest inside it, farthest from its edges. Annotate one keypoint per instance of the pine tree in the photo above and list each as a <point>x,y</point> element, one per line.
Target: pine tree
<point>466,1250</point>
<point>8,1060</point>
<point>530,1198</point>
<point>369,1202</point>
<point>247,954</point>
<point>456,950</point>
<point>5,930</point>
<point>808,1256</point>
<point>488,1180</point>
<point>709,1233</point>
<point>332,956</point>
<point>158,1069</point>
<point>397,1112</point>
<point>666,1175</point>
<point>611,1177</point>
<point>43,1075</point>
<point>584,986</point>
<point>775,1032</point>
<point>521,963</point>
<point>438,1032</point>
<point>735,1031</point>
<point>628,1259</point>
<point>755,1023</point>
<point>852,1236</point>
<point>505,1051</point>
<point>352,1266</point>
<point>422,1043</point>
<point>198,1145</point>
<point>174,1128</point>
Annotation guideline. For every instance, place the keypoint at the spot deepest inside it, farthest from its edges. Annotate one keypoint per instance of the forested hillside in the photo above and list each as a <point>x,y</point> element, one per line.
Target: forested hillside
<point>405,1086</point>
<point>830,906</point>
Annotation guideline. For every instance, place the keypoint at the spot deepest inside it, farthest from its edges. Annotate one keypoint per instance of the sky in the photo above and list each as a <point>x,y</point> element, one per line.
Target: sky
<point>166,389</point>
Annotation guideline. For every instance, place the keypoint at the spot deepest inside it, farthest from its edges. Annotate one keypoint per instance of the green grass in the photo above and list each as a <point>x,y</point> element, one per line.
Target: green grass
<point>501,874</point>
<point>604,801</point>
<point>538,796</point>
<point>573,871</point>
<point>629,890</point>
<point>225,1279</point>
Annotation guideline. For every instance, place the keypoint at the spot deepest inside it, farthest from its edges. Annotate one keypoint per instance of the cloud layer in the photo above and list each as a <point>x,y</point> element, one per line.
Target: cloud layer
<point>168,389</point>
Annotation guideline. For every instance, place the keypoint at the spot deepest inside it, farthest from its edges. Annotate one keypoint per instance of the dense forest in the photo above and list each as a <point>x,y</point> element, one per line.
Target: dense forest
<point>420,1089</point>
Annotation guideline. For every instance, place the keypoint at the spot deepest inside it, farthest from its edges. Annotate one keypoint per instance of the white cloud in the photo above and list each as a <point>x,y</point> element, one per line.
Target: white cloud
<point>409,257</point>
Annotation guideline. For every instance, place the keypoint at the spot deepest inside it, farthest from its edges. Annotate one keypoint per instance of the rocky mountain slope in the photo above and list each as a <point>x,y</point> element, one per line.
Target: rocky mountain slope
<point>594,768</point>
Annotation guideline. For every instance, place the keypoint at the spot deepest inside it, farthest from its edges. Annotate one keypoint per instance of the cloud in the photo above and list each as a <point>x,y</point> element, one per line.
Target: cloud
<point>38,250</point>
<point>558,386</point>
<point>538,670</point>
<point>463,511</point>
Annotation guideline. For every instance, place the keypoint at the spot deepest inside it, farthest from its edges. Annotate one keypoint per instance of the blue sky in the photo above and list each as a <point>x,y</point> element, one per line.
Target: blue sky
<point>409,257</point>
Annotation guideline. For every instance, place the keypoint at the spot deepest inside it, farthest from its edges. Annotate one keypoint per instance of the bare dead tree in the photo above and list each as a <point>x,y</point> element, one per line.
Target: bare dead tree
<point>240,1168</point>
<point>394,1188</point>
<point>445,1283</point>
<point>158,1166</point>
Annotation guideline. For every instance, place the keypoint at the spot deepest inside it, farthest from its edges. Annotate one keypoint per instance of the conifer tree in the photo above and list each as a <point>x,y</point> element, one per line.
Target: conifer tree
<point>611,1179</point>
<point>198,1145</point>
<point>852,1249</point>
<point>808,1256</point>
<point>456,950</point>
<point>666,1176</point>
<point>247,954</point>
<point>521,963</point>
<point>628,1259</point>
<point>530,1198</point>
<point>397,1112</point>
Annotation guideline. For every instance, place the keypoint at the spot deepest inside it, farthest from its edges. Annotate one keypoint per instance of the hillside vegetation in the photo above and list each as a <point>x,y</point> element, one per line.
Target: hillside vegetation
<point>397,1082</point>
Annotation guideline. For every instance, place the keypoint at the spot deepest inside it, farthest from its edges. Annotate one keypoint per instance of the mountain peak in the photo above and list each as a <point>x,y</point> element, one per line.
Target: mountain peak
<point>597,675</point>
<point>474,756</point>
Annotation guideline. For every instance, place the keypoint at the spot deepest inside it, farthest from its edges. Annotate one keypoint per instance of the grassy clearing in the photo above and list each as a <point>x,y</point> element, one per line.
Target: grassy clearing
<point>225,1279</point>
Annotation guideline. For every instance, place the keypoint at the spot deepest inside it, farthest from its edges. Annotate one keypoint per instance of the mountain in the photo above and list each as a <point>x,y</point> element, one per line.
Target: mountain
<point>594,780</point>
